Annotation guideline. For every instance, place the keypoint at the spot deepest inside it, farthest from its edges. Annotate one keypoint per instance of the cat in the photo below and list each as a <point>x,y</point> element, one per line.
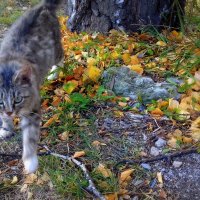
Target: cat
<point>31,46</point>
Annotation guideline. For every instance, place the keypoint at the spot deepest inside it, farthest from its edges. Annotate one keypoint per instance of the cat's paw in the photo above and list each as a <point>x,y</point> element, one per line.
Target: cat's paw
<point>4,134</point>
<point>31,164</point>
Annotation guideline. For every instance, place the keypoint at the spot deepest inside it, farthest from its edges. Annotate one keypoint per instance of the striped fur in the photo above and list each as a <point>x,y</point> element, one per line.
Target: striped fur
<point>29,49</point>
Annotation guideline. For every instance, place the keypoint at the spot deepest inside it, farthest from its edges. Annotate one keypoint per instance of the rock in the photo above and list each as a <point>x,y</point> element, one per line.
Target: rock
<point>146,166</point>
<point>125,82</point>
<point>24,8</point>
<point>135,198</point>
<point>160,143</point>
<point>138,182</point>
<point>154,151</point>
<point>177,164</point>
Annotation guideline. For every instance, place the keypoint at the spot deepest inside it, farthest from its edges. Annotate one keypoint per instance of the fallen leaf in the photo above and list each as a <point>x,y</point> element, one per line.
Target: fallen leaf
<point>125,175</point>
<point>126,58</point>
<point>70,86</point>
<point>64,136</point>
<point>122,104</point>
<point>79,154</point>
<point>172,142</point>
<point>137,68</point>
<point>92,73</point>
<point>157,112</point>
<point>51,120</point>
<point>113,196</point>
<point>14,180</point>
<point>195,129</point>
<point>161,43</point>
<point>159,177</point>
<point>104,171</point>
<point>30,178</point>
<point>134,60</point>
<point>91,61</point>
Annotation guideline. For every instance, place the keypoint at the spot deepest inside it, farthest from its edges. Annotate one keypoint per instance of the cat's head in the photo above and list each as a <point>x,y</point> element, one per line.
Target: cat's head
<point>17,89</point>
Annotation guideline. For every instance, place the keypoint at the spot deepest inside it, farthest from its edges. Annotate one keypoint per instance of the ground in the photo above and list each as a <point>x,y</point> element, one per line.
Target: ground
<point>107,134</point>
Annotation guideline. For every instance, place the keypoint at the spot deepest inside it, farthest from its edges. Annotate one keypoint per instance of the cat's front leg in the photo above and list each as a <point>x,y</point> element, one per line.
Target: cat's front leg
<point>7,127</point>
<point>30,125</point>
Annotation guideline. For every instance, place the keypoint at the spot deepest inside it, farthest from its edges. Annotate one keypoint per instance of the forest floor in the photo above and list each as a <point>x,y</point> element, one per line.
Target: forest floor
<point>108,133</point>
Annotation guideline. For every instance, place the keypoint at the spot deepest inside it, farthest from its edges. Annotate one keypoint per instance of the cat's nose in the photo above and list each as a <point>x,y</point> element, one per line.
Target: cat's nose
<point>9,113</point>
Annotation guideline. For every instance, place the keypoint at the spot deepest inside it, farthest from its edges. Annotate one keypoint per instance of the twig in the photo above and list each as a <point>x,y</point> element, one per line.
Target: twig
<point>167,157</point>
<point>91,188</point>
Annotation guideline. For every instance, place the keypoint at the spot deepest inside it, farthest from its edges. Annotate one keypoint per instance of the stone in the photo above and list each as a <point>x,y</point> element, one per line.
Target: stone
<point>125,82</point>
<point>154,151</point>
<point>160,143</point>
<point>177,164</point>
<point>146,166</point>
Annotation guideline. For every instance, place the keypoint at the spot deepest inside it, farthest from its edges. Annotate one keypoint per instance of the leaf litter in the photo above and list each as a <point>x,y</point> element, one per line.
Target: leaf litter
<point>77,92</point>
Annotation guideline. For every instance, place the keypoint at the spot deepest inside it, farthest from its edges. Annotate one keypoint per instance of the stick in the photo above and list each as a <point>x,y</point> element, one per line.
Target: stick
<point>91,188</point>
<point>157,158</point>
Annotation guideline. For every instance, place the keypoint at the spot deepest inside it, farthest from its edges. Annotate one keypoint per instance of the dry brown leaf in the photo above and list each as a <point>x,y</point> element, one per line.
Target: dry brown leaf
<point>51,120</point>
<point>79,154</point>
<point>157,112</point>
<point>64,136</point>
<point>113,196</point>
<point>104,171</point>
<point>125,175</point>
<point>31,178</point>
<point>195,129</point>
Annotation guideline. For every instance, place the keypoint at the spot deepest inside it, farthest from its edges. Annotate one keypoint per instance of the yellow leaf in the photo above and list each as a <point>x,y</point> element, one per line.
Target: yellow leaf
<point>114,55</point>
<point>125,175</point>
<point>161,43</point>
<point>111,196</point>
<point>172,142</point>
<point>96,143</point>
<point>159,177</point>
<point>51,120</point>
<point>14,180</point>
<point>31,178</point>
<point>79,154</point>
<point>162,104</point>
<point>195,129</point>
<point>56,101</point>
<point>134,60</point>
<point>137,68</point>
<point>187,140</point>
<point>70,86</point>
<point>92,73</point>
<point>118,113</point>
<point>91,62</point>
<point>104,171</point>
<point>122,104</point>
<point>126,58</point>
<point>157,111</point>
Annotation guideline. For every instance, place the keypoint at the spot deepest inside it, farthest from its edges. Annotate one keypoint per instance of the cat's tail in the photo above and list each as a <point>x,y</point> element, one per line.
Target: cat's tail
<point>52,4</point>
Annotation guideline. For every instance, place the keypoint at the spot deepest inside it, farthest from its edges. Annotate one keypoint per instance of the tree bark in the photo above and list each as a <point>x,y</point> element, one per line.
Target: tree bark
<point>125,15</point>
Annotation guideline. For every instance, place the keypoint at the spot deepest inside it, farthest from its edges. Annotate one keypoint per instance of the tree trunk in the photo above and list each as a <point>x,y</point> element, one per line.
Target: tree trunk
<point>126,15</point>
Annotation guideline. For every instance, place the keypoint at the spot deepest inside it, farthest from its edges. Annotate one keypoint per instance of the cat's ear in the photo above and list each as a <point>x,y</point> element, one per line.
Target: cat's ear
<point>23,76</point>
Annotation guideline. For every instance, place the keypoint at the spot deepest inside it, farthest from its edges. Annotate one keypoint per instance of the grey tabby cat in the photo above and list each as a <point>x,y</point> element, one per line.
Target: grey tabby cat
<point>29,49</point>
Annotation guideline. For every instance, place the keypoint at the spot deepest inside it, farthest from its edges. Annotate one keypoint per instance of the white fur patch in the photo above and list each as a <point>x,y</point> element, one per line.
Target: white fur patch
<point>4,133</point>
<point>31,164</point>
<point>53,74</point>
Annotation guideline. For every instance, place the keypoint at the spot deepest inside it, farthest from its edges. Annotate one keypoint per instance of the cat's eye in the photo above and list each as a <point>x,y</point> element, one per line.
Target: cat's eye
<point>18,99</point>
